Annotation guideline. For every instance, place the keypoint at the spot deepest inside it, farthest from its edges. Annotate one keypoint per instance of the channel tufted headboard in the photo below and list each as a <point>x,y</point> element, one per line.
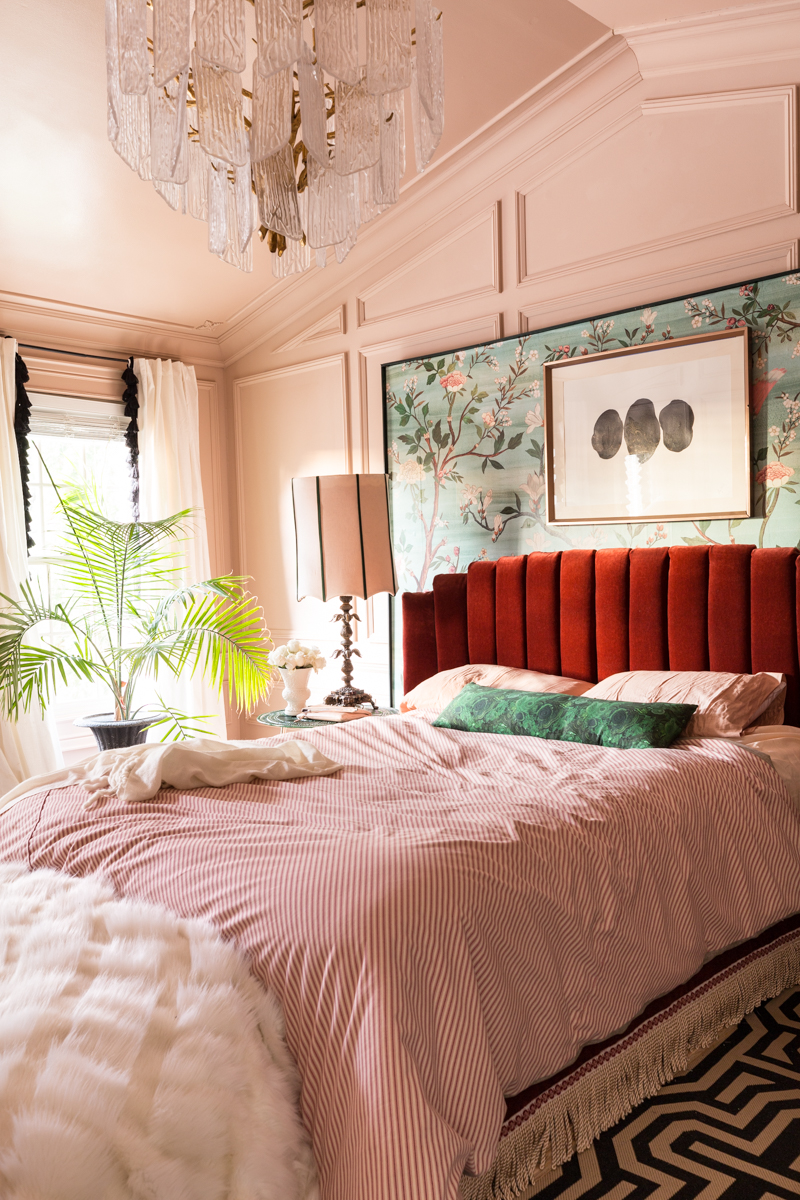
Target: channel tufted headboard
<point>589,614</point>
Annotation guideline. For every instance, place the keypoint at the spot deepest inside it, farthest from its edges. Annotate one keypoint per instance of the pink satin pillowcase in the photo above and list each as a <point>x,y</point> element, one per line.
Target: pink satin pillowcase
<point>728,705</point>
<point>437,692</point>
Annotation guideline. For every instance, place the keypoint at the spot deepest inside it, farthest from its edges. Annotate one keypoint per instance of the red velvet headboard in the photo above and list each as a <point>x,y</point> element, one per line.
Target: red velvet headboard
<point>589,614</point>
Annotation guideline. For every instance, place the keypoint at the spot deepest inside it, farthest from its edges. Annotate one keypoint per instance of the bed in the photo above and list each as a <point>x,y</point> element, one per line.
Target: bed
<point>452,918</point>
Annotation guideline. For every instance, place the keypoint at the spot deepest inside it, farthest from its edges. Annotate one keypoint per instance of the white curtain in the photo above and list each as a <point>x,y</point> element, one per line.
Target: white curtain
<point>169,480</point>
<point>28,746</point>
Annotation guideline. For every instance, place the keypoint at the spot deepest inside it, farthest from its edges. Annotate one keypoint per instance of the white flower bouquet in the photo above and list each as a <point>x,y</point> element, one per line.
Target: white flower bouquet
<point>296,656</point>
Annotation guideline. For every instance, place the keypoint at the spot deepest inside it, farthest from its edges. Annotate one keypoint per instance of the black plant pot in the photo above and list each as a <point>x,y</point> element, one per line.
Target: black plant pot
<point>111,734</point>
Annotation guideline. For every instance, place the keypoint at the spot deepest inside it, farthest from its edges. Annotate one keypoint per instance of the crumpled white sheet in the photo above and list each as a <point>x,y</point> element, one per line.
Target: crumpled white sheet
<point>781,745</point>
<point>136,773</point>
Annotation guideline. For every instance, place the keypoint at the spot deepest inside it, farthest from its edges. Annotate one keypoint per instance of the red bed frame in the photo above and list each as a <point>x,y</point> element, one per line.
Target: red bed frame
<point>588,614</point>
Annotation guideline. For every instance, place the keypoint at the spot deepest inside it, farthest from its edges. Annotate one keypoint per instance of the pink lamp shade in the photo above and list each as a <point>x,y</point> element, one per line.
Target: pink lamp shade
<point>344,545</point>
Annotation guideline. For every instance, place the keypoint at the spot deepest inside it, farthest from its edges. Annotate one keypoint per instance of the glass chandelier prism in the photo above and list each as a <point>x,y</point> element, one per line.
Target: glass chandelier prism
<point>312,150</point>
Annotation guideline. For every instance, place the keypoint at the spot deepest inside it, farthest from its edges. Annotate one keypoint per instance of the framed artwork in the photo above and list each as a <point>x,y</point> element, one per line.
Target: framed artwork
<point>650,432</point>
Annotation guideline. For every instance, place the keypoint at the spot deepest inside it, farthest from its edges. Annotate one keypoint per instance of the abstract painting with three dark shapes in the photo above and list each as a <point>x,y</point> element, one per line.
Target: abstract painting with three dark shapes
<point>643,430</point>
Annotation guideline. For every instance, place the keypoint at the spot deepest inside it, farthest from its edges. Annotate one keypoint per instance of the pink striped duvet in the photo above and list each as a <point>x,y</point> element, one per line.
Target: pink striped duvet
<point>451,917</point>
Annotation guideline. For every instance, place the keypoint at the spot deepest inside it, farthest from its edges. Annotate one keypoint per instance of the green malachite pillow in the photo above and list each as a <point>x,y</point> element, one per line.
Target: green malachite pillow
<point>619,723</point>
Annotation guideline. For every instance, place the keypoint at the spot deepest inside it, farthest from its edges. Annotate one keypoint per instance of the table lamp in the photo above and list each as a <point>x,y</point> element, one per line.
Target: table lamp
<point>344,549</point>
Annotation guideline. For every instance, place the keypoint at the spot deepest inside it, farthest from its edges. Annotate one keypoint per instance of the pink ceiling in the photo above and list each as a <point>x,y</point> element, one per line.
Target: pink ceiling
<point>620,14</point>
<point>496,52</point>
<point>77,226</point>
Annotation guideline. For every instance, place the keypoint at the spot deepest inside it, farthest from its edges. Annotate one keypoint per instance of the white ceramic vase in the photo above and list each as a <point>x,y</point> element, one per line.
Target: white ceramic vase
<point>295,688</point>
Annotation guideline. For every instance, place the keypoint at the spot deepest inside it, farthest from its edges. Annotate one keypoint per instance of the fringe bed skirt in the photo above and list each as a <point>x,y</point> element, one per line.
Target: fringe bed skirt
<point>551,1121</point>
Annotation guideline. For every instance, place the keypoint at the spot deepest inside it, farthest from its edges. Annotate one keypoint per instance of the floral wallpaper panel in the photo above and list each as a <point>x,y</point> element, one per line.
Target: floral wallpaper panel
<point>465,443</point>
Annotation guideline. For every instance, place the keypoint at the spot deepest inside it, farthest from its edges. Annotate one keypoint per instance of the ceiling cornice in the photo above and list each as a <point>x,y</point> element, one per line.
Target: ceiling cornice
<point>730,37</point>
<point>75,327</point>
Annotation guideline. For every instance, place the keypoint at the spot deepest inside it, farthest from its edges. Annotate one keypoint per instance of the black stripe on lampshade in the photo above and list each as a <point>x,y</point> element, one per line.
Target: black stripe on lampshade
<point>343,536</point>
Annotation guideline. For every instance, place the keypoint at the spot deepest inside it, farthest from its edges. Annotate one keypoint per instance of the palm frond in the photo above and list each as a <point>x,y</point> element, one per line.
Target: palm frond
<point>178,725</point>
<point>18,618</point>
<point>29,672</point>
<point>103,558</point>
<point>227,587</point>
<point>39,673</point>
<point>224,637</point>
<point>100,557</point>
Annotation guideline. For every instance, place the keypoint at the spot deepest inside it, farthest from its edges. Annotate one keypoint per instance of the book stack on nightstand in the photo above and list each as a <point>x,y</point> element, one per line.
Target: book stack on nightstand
<point>333,714</point>
<point>321,714</point>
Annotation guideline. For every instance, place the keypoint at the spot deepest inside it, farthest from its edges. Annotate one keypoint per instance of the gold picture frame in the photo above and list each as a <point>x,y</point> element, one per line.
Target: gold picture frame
<point>655,432</point>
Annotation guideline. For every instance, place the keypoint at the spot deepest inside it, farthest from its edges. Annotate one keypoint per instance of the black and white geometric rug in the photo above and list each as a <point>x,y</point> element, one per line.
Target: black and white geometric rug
<point>729,1127</point>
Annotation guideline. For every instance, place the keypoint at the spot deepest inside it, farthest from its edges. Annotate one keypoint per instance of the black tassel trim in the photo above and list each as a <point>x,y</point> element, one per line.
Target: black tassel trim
<point>22,427</point>
<point>131,398</point>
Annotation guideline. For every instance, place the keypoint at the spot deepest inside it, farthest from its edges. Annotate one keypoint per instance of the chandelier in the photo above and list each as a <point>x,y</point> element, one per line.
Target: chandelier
<point>312,150</point>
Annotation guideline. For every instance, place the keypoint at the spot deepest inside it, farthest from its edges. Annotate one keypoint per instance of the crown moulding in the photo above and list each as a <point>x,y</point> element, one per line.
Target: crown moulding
<point>77,328</point>
<point>758,35</point>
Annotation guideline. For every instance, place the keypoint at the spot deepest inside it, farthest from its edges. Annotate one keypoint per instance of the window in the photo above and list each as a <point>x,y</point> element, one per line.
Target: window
<point>81,441</point>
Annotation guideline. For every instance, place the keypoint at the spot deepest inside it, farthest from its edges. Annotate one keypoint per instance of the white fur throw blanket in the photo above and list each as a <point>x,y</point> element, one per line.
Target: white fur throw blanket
<point>138,1058</point>
<point>139,772</point>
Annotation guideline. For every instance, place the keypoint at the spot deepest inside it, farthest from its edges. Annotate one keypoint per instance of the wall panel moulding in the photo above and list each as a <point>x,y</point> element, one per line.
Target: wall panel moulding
<point>771,110</point>
<point>576,155</point>
<point>662,285</point>
<point>265,404</point>
<point>762,33</point>
<point>462,265</point>
<point>417,345</point>
<point>214,475</point>
<point>689,183</point>
<point>333,324</point>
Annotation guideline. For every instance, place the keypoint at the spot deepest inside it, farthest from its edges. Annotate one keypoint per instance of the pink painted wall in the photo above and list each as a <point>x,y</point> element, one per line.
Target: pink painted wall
<point>622,181</point>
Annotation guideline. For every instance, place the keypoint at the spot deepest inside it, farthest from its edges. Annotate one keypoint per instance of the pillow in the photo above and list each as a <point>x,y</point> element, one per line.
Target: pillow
<point>439,690</point>
<point>781,745</point>
<point>562,718</point>
<point>726,703</point>
<point>773,715</point>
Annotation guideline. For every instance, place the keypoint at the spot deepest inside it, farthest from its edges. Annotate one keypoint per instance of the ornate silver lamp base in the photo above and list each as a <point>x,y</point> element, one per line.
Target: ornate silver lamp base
<point>348,696</point>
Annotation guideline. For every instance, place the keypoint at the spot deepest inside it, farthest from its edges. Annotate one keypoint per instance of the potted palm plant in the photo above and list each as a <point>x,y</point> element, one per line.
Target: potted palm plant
<point>116,613</point>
